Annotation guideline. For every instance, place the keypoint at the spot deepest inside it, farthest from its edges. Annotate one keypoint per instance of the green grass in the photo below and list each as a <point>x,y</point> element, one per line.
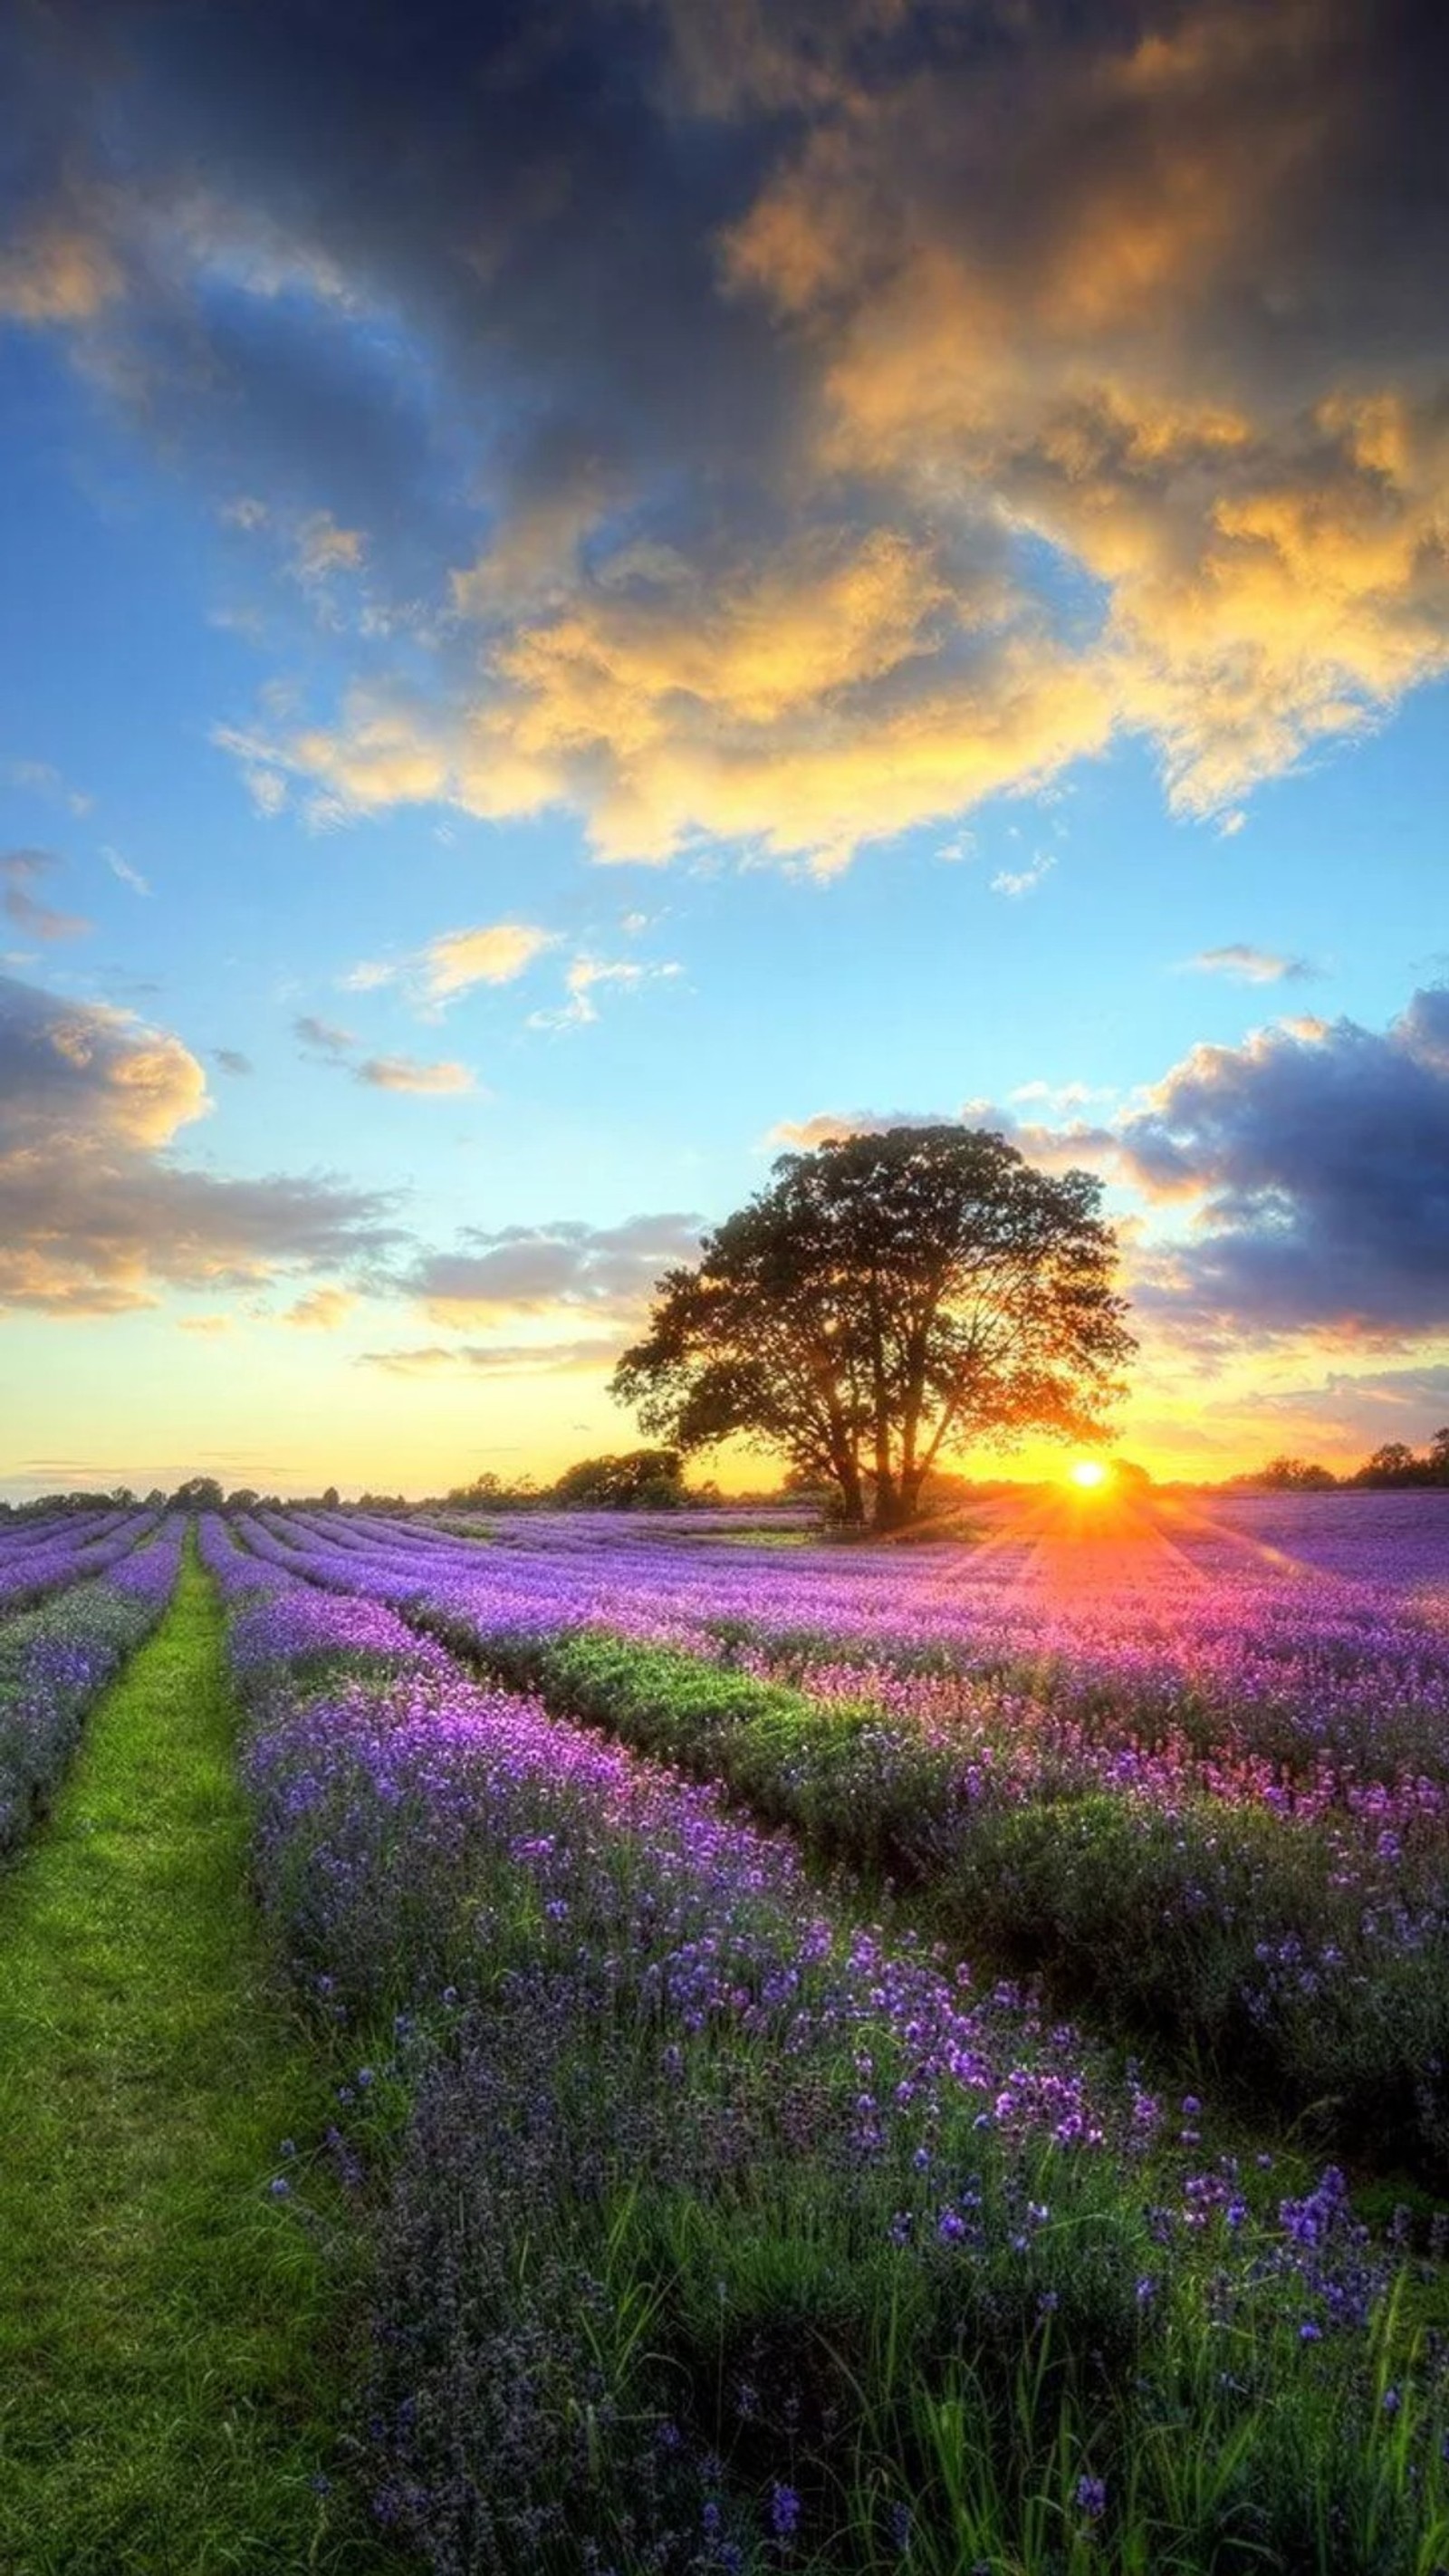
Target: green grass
<point>172,2337</point>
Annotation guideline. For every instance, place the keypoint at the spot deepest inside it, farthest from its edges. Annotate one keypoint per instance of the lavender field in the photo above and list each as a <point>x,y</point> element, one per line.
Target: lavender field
<point>751,2201</point>
<point>931,2057</point>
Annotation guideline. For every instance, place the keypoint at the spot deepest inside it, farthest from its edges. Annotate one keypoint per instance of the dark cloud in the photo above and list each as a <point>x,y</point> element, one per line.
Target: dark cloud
<point>231,1060</point>
<point>791,420</point>
<point>94,1215</point>
<point>539,1270</point>
<point>323,1038</point>
<point>1315,1158</point>
<point>1309,1167</point>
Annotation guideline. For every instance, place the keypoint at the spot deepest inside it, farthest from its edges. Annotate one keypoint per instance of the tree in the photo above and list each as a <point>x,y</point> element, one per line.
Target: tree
<point>198,1494</point>
<point>1439,1456</point>
<point>641,1480</point>
<point>1296,1476</point>
<point>1393,1464</point>
<point>491,1492</point>
<point>885,1301</point>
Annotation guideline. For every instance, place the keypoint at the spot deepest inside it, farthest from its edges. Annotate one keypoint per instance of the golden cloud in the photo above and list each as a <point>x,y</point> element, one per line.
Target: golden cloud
<point>495,953</point>
<point>58,271</point>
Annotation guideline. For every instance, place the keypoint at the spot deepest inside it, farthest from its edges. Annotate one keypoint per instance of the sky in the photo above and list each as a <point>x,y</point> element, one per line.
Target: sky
<point>598,589</point>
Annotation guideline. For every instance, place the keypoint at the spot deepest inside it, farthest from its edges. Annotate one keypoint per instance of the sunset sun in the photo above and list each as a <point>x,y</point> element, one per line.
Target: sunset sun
<point>1089,1475</point>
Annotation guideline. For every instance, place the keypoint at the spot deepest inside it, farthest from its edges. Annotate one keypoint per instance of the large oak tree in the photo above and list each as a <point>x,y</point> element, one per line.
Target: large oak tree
<point>885,1300</point>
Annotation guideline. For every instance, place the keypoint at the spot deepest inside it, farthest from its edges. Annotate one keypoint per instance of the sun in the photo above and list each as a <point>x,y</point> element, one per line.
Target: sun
<point>1089,1474</point>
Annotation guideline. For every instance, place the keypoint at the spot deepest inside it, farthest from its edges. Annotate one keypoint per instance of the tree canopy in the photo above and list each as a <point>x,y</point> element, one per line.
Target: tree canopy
<point>640,1480</point>
<point>886,1300</point>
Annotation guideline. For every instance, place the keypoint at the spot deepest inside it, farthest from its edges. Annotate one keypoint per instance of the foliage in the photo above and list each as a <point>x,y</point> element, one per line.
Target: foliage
<point>1285,1475</point>
<point>1392,1467</point>
<point>1396,1464</point>
<point>488,1492</point>
<point>888,1299</point>
<point>645,1480</point>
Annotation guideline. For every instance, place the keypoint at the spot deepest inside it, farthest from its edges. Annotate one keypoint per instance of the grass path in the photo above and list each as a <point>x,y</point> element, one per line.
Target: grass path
<point>169,2332</point>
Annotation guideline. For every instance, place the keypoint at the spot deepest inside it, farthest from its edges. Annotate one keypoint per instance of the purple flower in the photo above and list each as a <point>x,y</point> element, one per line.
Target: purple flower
<point>784,2513</point>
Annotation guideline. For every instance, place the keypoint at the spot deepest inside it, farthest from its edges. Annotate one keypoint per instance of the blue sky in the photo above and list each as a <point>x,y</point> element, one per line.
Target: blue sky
<point>844,752</point>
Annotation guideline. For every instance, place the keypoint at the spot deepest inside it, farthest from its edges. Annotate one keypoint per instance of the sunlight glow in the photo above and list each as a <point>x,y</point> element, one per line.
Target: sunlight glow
<point>1089,1474</point>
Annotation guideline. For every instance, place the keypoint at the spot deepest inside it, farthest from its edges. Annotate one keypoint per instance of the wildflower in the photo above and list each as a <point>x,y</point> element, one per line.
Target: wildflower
<point>784,2513</point>
<point>1092,2497</point>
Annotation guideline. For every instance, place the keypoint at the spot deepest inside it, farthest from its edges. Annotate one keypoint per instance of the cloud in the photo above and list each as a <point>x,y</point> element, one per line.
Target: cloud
<point>95,1215</point>
<point>123,869</point>
<point>1315,1161</point>
<point>231,1060</point>
<point>320,548</point>
<point>404,1073</point>
<point>800,423</point>
<point>57,272</point>
<point>492,953</point>
<point>1248,965</point>
<point>586,976</point>
<point>496,1359</point>
<point>1015,882</point>
<point>321,1311</point>
<point>563,1269</point>
<point>831,1127</point>
<point>324,1043</point>
<point>19,871</point>
<point>1073,1146</point>
<point>39,778</point>
<point>323,1038</point>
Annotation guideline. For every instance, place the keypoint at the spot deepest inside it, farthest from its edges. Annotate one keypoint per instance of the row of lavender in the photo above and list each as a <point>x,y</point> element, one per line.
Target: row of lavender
<point>721,2233</point>
<point>43,1557</point>
<point>1222,1822</point>
<point>55,1659</point>
<point>1307,1664</point>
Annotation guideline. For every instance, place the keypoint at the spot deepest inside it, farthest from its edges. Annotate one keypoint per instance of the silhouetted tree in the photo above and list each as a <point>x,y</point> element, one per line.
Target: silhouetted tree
<point>1296,1476</point>
<point>1393,1464</point>
<point>886,1300</point>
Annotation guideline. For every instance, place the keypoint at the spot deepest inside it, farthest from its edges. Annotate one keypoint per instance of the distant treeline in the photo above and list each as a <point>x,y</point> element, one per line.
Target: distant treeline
<point>1395,1464</point>
<point>653,1480</point>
